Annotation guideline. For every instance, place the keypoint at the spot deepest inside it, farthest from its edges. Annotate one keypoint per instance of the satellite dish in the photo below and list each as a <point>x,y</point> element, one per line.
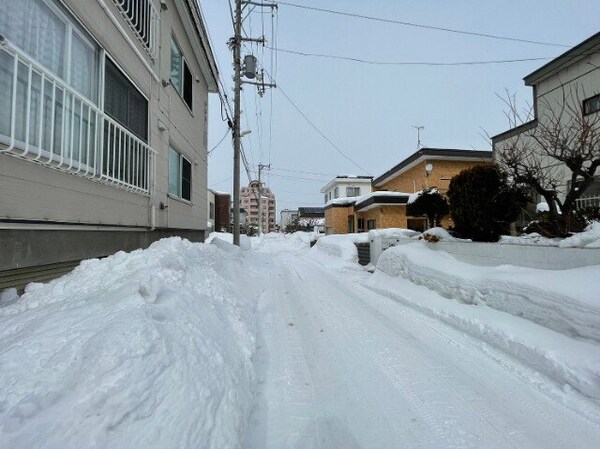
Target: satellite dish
<point>428,169</point>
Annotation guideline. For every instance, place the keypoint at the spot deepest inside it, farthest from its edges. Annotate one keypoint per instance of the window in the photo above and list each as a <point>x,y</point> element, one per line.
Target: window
<point>336,192</point>
<point>352,191</point>
<point>211,210</point>
<point>361,225</point>
<point>143,18</point>
<point>371,224</point>
<point>591,105</point>
<point>181,76</point>
<point>180,176</point>
<point>124,103</point>
<point>350,223</point>
<point>326,198</point>
<point>46,33</point>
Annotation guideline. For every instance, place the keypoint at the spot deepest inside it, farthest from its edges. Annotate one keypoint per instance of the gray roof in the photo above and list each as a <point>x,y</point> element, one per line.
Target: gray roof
<point>437,152</point>
<point>575,54</point>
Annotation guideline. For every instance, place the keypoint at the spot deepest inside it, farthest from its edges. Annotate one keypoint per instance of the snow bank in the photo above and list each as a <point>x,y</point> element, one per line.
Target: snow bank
<point>151,349</point>
<point>569,362</point>
<point>563,300</point>
<point>590,238</point>
<point>338,250</point>
<point>533,239</point>
<point>394,233</point>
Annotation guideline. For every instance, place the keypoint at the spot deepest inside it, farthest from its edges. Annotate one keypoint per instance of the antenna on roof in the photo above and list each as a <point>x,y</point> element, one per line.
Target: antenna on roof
<point>418,128</point>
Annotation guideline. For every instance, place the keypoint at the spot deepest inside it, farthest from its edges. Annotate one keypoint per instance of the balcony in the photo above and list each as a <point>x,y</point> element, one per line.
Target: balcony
<point>48,122</point>
<point>143,19</point>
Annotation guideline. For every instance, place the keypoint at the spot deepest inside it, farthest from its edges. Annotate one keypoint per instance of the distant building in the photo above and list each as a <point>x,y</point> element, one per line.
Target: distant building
<point>344,186</point>
<point>249,201</point>
<point>286,217</point>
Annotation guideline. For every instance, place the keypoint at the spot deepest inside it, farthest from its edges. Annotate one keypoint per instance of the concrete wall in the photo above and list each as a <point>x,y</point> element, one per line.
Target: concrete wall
<point>494,254</point>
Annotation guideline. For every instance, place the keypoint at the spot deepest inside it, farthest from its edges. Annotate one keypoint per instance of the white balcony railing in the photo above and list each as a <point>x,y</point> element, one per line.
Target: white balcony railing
<point>45,121</point>
<point>143,18</point>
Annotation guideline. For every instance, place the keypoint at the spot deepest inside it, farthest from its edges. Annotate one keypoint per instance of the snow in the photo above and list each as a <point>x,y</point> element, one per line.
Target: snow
<point>348,201</point>
<point>399,233</point>
<point>151,349</point>
<point>441,234</point>
<point>555,300</point>
<point>542,207</point>
<point>279,345</point>
<point>590,238</point>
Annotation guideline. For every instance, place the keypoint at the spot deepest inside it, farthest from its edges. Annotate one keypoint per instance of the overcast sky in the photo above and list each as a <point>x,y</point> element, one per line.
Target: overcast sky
<point>368,110</point>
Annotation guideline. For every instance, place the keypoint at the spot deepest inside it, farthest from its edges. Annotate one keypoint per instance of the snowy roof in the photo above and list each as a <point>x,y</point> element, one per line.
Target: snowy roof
<point>369,199</point>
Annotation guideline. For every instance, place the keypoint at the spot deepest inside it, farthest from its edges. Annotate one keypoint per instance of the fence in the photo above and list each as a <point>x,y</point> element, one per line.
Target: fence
<point>48,122</point>
<point>143,18</point>
<point>588,201</point>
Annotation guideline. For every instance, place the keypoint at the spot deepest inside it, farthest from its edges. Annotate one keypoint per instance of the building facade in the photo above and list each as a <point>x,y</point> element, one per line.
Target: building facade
<point>344,186</point>
<point>286,216</point>
<point>103,126</point>
<point>567,87</point>
<point>385,206</point>
<point>249,199</point>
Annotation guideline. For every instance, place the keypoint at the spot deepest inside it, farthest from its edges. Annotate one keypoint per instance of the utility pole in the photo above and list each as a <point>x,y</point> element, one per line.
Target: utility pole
<point>235,44</point>
<point>261,167</point>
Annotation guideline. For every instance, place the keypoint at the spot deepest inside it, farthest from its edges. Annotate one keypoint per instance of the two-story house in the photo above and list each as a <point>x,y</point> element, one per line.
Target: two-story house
<point>103,127</point>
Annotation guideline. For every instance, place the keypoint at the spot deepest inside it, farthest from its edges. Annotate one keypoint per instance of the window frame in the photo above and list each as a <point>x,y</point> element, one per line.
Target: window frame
<point>591,100</point>
<point>354,189</point>
<point>371,224</point>
<point>181,158</point>
<point>184,64</point>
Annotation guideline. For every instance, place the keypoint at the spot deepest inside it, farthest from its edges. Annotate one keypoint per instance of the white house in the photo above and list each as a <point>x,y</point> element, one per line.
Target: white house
<point>343,186</point>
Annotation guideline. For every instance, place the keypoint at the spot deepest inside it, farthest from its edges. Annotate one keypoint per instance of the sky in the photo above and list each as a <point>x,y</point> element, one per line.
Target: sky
<point>365,113</point>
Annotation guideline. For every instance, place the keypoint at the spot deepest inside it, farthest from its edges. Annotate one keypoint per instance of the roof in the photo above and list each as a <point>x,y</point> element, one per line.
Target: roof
<point>309,212</point>
<point>431,153</point>
<point>206,57</point>
<point>369,200</point>
<point>575,54</point>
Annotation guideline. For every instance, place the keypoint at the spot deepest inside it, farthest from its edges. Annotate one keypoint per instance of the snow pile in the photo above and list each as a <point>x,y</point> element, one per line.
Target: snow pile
<point>560,300</point>
<point>393,233</point>
<point>542,207</point>
<point>590,238</point>
<point>151,349</point>
<point>338,250</point>
<point>245,242</point>
<point>439,234</point>
<point>533,239</point>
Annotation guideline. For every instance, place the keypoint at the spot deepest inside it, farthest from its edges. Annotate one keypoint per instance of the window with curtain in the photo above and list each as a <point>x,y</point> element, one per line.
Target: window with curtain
<point>181,76</point>
<point>44,31</point>
<point>180,176</point>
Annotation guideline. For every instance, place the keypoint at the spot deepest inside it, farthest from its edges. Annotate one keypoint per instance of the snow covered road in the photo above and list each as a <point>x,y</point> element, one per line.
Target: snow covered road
<point>341,366</point>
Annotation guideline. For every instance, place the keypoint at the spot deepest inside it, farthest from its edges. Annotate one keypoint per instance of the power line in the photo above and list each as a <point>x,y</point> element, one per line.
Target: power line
<point>315,126</point>
<point>415,63</point>
<point>298,178</point>
<point>302,171</point>
<point>219,143</point>
<point>423,26</point>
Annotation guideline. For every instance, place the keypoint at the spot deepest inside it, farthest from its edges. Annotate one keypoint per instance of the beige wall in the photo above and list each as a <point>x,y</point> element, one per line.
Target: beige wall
<point>415,178</point>
<point>336,219</point>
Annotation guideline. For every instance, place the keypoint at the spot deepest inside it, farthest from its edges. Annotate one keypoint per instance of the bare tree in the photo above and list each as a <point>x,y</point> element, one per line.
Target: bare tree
<point>558,155</point>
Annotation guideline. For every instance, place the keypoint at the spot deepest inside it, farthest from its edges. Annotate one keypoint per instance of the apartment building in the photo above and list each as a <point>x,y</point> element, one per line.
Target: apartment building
<point>103,126</point>
<point>249,199</point>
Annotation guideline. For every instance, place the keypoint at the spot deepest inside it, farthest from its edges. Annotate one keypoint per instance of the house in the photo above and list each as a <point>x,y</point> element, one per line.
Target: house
<point>385,206</point>
<point>103,127</point>
<point>312,217</point>
<point>249,201</point>
<point>286,216</point>
<point>567,86</point>
<point>343,186</point>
